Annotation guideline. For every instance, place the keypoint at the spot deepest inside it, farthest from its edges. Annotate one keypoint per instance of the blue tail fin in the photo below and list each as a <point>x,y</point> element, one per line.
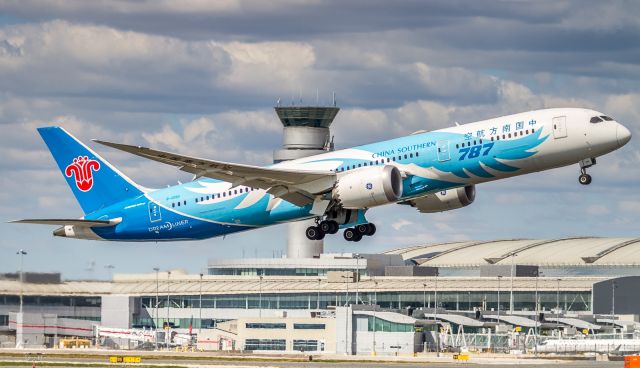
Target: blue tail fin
<point>94,182</point>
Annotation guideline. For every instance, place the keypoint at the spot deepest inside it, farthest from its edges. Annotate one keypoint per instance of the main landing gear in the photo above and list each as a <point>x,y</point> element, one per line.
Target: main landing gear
<point>355,234</point>
<point>324,227</point>
<point>331,227</point>
<point>584,178</point>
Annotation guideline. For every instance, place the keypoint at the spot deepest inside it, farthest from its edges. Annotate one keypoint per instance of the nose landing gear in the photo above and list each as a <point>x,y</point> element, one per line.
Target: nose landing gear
<point>584,178</point>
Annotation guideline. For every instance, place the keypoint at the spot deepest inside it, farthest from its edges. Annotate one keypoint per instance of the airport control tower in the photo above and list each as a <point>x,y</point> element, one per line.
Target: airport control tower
<point>306,132</point>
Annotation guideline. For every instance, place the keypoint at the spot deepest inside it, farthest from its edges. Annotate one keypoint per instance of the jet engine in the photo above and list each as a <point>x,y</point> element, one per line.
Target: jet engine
<point>445,200</point>
<point>368,187</point>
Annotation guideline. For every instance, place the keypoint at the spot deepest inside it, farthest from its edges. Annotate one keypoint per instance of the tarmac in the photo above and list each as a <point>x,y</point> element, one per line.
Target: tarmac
<point>100,358</point>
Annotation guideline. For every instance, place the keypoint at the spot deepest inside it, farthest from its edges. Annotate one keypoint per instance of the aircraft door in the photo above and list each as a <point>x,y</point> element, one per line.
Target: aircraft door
<point>443,151</point>
<point>154,212</point>
<point>559,127</point>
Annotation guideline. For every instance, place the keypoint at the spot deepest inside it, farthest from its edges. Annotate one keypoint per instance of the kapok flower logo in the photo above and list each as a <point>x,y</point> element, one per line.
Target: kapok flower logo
<point>82,168</point>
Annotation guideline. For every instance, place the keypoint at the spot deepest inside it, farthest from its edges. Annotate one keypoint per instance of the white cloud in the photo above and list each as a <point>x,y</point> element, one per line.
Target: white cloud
<point>629,206</point>
<point>401,223</point>
<point>598,210</point>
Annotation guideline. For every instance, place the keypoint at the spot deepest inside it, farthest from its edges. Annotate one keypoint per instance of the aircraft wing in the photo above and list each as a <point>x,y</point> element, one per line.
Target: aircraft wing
<point>64,222</point>
<point>297,187</point>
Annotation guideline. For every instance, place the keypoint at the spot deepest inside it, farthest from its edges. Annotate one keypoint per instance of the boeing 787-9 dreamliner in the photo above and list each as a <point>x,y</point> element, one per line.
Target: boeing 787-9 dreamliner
<point>430,171</point>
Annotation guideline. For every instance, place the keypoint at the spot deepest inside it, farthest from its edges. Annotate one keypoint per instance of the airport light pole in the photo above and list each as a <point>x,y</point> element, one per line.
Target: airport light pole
<point>155,322</point>
<point>499,278</point>
<point>168,302</point>
<point>21,253</point>
<point>357,256</point>
<point>260,297</point>
<point>513,255</point>
<point>613,300</point>
<point>424,296</point>
<point>558,307</point>
<point>535,326</point>
<point>375,296</point>
<point>435,317</point>
<point>200,305</point>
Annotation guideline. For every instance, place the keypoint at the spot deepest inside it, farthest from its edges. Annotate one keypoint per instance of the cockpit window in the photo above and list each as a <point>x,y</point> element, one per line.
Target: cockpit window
<point>595,120</point>
<point>606,118</point>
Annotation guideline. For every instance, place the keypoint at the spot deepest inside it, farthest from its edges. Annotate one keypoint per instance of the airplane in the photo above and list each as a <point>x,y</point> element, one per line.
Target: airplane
<point>431,171</point>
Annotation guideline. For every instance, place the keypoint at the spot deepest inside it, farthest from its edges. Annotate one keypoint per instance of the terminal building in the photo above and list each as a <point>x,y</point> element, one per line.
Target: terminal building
<point>578,283</point>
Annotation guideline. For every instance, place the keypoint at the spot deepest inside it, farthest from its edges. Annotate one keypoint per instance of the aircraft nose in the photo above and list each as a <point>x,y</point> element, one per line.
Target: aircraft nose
<point>622,134</point>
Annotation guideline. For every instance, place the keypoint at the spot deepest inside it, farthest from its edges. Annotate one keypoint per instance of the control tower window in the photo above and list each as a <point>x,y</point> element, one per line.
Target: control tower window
<point>595,120</point>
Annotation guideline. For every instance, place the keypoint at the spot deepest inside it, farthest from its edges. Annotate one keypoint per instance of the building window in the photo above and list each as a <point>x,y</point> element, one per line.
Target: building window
<point>308,326</point>
<point>305,345</point>
<point>279,326</point>
<point>387,326</point>
<point>265,344</point>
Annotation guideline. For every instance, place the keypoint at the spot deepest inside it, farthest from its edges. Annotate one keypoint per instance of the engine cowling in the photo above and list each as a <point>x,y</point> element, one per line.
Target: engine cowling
<point>445,200</point>
<point>368,187</point>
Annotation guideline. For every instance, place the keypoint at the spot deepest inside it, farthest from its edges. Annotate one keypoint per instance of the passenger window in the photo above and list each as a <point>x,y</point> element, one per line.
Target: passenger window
<point>527,131</point>
<point>359,165</point>
<point>509,135</point>
<point>474,143</point>
<point>491,139</point>
<point>376,162</point>
<point>178,204</point>
<point>416,154</point>
<point>411,155</point>
<point>595,120</point>
<point>533,130</point>
<point>405,156</point>
<point>185,203</point>
<point>173,204</point>
<point>371,163</point>
<point>196,200</point>
<point>457,146</point>
<point>498,138</point>
<point>393,159</point>
<point>224,194</point>
<point>365,164</point>
<point>388,159</point>
<point>235,191</point>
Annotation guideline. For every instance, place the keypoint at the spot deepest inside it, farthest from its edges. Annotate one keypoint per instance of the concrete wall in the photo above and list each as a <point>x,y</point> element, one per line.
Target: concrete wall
<point>325,336</point>
<point>117,311</point>
<point>31,328</point>
<point>627,296</point>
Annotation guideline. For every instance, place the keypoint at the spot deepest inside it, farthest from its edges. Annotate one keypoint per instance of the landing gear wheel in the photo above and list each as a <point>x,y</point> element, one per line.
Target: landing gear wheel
<point>362,229</point>
<point>372,229</point>
<point>314,233</point>
<point>584,179</point>
<point>352,234</point>
<point>329,227</point>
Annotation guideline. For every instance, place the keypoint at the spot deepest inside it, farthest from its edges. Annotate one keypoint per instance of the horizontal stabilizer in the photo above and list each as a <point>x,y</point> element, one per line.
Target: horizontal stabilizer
<point>64,222</point>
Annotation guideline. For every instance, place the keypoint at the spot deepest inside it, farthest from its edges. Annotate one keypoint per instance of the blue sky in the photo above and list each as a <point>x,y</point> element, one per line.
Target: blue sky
<point>201,78</point>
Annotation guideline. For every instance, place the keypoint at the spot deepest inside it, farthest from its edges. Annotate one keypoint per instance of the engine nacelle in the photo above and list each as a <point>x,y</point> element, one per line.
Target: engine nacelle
<point>368,187</point>
<point>445,200</point>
